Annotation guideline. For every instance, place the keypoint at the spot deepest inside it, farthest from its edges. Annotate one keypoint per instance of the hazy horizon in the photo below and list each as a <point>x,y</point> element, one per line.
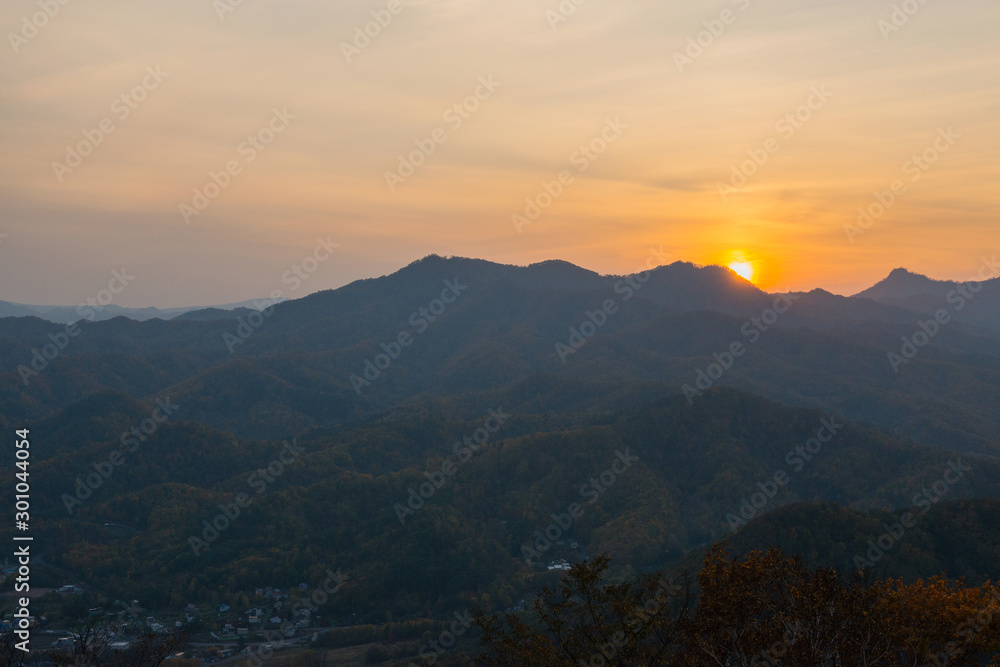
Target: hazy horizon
<point>833,101</point>
<point>306,292</point>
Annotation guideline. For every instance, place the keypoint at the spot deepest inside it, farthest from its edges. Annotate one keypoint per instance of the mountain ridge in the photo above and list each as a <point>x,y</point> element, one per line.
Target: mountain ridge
<point>901,288</point>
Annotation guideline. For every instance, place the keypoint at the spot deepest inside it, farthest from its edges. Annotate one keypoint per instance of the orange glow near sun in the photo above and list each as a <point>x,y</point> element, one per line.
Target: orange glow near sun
<point>743,270</point>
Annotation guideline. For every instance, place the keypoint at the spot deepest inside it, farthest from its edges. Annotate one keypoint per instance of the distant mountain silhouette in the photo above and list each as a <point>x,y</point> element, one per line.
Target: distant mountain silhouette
<point>924,295</point>
<point>680,286</point>
<point>215,314</point>
<point>70,314</point>
<point>826,351</point>
<point>902,283</point>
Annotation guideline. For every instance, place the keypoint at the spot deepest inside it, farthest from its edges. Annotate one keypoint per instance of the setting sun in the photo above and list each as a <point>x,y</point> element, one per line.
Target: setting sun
<point>743,270</point>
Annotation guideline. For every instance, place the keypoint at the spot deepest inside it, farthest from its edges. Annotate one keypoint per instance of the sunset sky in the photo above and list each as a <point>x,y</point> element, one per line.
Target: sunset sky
<point>673,129</point>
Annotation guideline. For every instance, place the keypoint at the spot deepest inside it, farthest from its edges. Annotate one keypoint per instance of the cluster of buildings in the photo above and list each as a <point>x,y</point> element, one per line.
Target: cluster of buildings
<point>269,616</point>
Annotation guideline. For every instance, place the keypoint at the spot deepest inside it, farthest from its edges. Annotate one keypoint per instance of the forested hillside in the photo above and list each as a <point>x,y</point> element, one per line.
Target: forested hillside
<point>448,433</point>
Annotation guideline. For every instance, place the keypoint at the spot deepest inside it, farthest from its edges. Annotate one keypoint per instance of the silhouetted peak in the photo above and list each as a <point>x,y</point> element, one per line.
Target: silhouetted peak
<point>555,265</point>
<point>560,273</point>
<point>901,283</point>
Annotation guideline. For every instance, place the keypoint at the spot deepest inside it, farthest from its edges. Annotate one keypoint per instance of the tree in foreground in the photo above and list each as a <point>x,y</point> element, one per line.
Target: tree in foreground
<point>10,655</point>
<point>765,609</point>
<point>94,637</point>
<point>586,622</point>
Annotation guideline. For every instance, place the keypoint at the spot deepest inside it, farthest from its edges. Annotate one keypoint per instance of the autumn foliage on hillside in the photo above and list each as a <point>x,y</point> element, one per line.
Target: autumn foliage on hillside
<point>764,609</point>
